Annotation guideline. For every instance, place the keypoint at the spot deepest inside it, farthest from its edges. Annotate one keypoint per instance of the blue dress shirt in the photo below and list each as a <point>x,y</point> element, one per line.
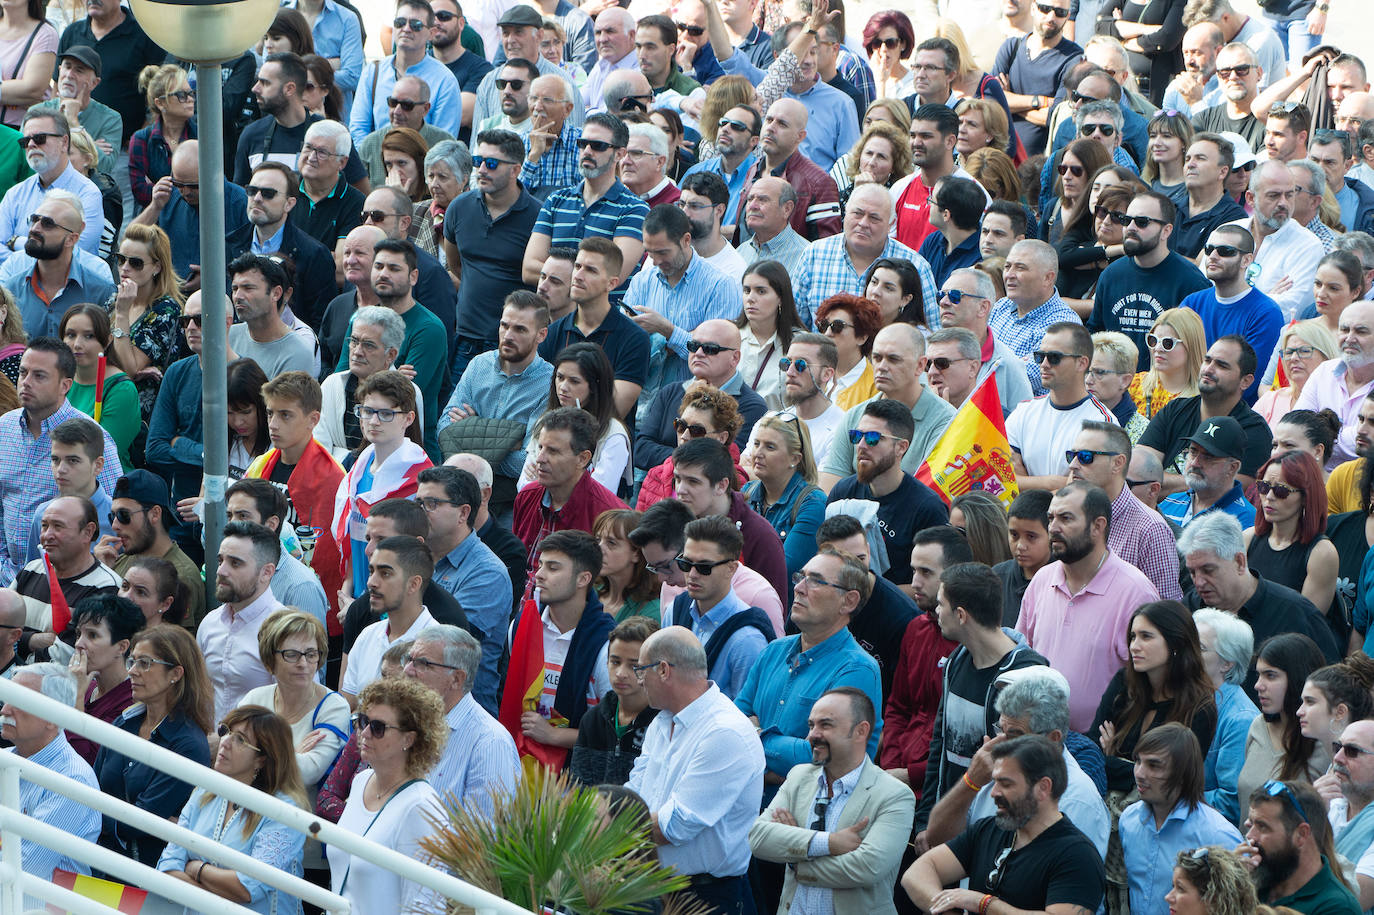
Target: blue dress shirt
<point>478,580</point>
<point>56,810</point>
<point>88,280</point>
<point>1150,852</point>
<point>741,650</point>
<point>1226,755</point>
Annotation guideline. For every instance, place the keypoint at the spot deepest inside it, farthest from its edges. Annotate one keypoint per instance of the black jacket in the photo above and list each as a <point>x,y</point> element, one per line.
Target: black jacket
<point>314,268</point>
<point>600,757</point>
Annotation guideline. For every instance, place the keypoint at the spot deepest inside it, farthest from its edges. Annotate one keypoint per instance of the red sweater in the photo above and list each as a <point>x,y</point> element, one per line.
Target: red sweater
<point>534,520</point>
<point>909,719</point>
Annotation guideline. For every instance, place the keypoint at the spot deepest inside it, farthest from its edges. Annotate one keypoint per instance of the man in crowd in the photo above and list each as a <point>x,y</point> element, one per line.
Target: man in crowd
<point>46,141</point>
<point>258,291</point>
<point>520,34</point>
<point>555,281</point>
<point>615,50</point>
<point>1251,31</point>
<point>955,216</point>
<point>391,210</point>
<point>410,42</point>
<point>934,130</point>
<point>373,344</point>
<point>1032,71</point>
<point>1032,304</point>
<point>397,571</point>
<point>327,206</point>
<point>737,141</point>
<point>550,161</point>
<point>1343,485</point>
<point>705,200</point>
<point>1213,459</point>
<point>1352,770</point>
<point>832,126</point>
<point>1334,151</point>
<point>767,211</point>
<point>808,369</point>
<point>656,46</point>
<point>78,74</point>
<point>626,92</point>
<point>68,529</point>
<point>407,105</point>
<point>1207,163</point>
<point>1342,384</point>
<point>124,49</point>
<point>1004,224</point>
<point>1309,191</point>
<point>175,207</point>
<point>952,364</point>
<point>498,539</point>
<point>77,444</point>
<point>966,300</point>
<point>644,170</point>
<point>294,584</point>
<point>513,81</point>
<point>817,211</point>
<point>1238,74</point>
<point>228,636</point>
<point>1286,832</point>
<point>1195,88</point>
<point>1286,252</point>
<point>52,273</point>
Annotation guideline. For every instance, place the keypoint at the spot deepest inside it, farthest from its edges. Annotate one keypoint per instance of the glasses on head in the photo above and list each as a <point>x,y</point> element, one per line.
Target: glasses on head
<point>1241,70</point>
<point>1222,250</point>
<point>134,261</point>
<point>47,223</point>
<point>143,663</point>
<point>425,663</point>
<point>1302,352</point>
<point>291,655</point>
<point>1107,130</point>
<point>691,430</point>
<point>365,413</point>
<point>838,325</point>
<point>124,515</point>
<point>942,364</point>
<point>364,344</point>
<point>594,145</point>
<point>490,163</point>
<point>735,125</point>
<point>267,193</point>
<point>415,25</point>
<point>181,95</point>
<point>702,567</point>
<point>814,580</point>
<point>187,320</point>
<point>1066,169</point>
<point>1276,788</point>
<point>515,84</point>
<point>696,31</point>
<point>1102,212</point>
<point>1351,751</point>
<point>870,437</point>
<point>956,296</point>
<point>35,139</point>
<point>710,349</point>
<point>1086,456</point>
<point>1051,356</point>
<point>376,215</point>
<point>234,737</point>
<point>787,362</point>
<point>639,670</point>
<point>1281,491</point>
<point>407,105</point>
<point>1155,341</point>
<point>1141,222</point>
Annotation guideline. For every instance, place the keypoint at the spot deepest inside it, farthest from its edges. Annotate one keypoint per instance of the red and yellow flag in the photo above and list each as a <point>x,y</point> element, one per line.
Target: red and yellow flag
<point>126,899</point>
<point>1280,376</point>
<point>525,687</point>
<point>973,453</point>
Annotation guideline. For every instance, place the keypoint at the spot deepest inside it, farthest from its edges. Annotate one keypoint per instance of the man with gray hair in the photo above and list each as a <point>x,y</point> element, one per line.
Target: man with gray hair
<point>1031,305</point>
<point>952,364</point>
<point>703,784</point>
<point>1238,73</point>
<point>1031,700</point>
<point>1092,119</point>
<point>40,741</point>
<point>479,760</point>
<point>1310,184</point>
<point>407,105</point>
<point>52,272</point>
<point>966,301</point>
<point>1195,87</point>
<point>46,141</point>
<point>372,346</point>
<point>1252,31</point>
<point>329,206</point>
<point>499,539</point>
<point>626,91</point>
<point>644,168</point>
<point>551,145</point>
<point>12,616</point>
<point>1285,251</point>
<point>767,210</point>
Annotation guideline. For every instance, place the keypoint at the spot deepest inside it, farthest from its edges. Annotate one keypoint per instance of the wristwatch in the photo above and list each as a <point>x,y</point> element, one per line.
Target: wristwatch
<point>118,333</point>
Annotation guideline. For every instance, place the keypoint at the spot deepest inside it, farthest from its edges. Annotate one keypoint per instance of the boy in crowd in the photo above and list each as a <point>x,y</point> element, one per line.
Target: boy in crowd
<point>1028,521</point>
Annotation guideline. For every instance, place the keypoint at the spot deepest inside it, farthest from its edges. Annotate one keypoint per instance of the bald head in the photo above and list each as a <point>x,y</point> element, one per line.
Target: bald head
<point>368,235</point>
<point>726,333</point>
<point>474,464</point>
<point>677,646</point>
<point>867,219</point>
<point>552,86</point>
<point>1204,36</point>
<point>1354,110</point>
<point>784,127</point>
<point>12,612</point>
<point>905,336</point>
<point>622,85</point>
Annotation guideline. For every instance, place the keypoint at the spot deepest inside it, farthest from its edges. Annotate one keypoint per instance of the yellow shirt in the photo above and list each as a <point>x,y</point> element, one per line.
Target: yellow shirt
<point>862,389</point>
<point>1343,487</point>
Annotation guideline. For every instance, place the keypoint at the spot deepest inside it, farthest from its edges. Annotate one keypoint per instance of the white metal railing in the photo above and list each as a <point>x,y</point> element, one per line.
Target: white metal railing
<point>16,827</point>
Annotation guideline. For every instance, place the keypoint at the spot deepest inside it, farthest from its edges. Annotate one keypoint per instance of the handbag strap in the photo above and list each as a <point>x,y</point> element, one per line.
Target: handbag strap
<point>23,55</point>
<point>373,822</point>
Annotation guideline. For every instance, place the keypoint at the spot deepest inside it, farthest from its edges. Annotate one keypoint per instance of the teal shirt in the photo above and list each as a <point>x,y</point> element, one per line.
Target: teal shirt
<point>1324,894</point>
<point>102,123</point>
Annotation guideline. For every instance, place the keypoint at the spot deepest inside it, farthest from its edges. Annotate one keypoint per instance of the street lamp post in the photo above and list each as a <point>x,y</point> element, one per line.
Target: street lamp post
<point>208,33</point>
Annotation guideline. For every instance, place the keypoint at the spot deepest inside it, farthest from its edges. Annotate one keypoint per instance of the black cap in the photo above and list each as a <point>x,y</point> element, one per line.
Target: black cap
<point>1220,437</point>
<point>147,489</point>
<point>85,54</point>
<point>522,15</point>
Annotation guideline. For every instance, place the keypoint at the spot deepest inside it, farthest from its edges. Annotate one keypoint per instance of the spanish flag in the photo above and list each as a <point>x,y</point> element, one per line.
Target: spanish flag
<point>1280,376</point>
<point>973,453</point>
<point>126,899</point>
<point>525,687</point>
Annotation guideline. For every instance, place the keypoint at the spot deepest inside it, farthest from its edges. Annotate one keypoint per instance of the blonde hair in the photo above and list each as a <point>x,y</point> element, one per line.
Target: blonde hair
<point>897,113</point>
<point>159,246</point>
<point>994,120</point>
<point>994,170</point>
<point>798,438</point>
<point>1188,326</point>
<point>12,330</point>
<point>1119,348</point>
<point>725,93</point>
<point>155,82</point>
<point>949,29</point>
<point>1314,333</point>
<point>896,138</point>
<point>82,143</point>
<point>282,625</point>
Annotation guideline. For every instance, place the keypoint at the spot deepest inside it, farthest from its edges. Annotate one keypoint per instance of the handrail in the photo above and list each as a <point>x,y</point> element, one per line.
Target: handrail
<point>250,798</point>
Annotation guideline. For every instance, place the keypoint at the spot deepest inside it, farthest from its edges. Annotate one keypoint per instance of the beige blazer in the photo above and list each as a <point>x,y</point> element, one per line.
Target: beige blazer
<point>863,879</point>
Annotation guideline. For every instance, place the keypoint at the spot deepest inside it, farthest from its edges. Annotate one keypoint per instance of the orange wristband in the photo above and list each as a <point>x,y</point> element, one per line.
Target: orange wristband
<point>972,787</point>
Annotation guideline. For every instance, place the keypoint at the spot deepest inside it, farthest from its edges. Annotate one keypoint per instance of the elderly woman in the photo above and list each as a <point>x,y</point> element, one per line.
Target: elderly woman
<point>1227,644</point>
<point>105,628</point>
<point>892,111</point>
<point>881,156</point>
<point>448,165</point>
<point>401,734</point>
<point>376,338</point>
<point>254,749</point>
<point>1109,378</point>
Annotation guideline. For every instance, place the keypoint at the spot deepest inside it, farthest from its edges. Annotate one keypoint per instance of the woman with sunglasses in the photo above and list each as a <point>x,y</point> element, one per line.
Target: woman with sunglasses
<point>850,322</point>
<point>894,284</point>
<point>766,325</point>
<point>889,39</point>
<point>705,411</point>
<point>254,749</point>
<point>784,489</point>
<point>583,378</point>
<point>86,331</point>
<point>1302,347</point>
<point>1211,880</point>
<point>144,309</point>
<point>105,628</point>
<point>1177,344</point>
<point>152,584</point>
<point>171,122</point>
<point>1058,218</point>
<point>625,586</point>
<point>401,733</point>
<point>1288,542</point>
<point>1082,258</point>
<point>882,155</point>
<point>321,95</point>
<point>174,709</point>
<point>1275,746</point>
<point>1171,133</point>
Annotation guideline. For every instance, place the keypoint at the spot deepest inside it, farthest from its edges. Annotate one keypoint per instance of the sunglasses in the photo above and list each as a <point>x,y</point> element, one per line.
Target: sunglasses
<point>408,106</point>
<point>124,515</point>
<point>1242,70</point>
<point>941,364</point>
<point>35,139</point>
<point>268,193</point>
<point>445,15</point>
<point>871,437</point>
<point>1079,98</point>
<point>696,31</point>
<point>490,163</point>
<point>1052,10</point>
<point>181,95</point>
<point>1052,357</point>
<point>837,326</point>
<point>229,736</point>
<point>1155,341</point>
<point>1223,250</point>
<point>416,25</point>
<point>735,125</point>
<point>1141,222</point>
<point>137,263</point>
<point>1351,751</point>
<point>377,728</point>
<point>1106,130</point>
<point>186,185</point>
<point>594,145</point>
<point>47,223</point>
<point>516,84</point>
<point>889,43</point>
<point>1085,456</point>
<point>786,362</point>
<point>956,296</point>
<point>1075,170</point>
<point>376,216</point>
<point>1102,212</point>
<point>703,568</point>
<point>1276,788</point>
<point>693,430</point>
<point>1281,491</point>
<point>188,320</point>
<point>710,349</point>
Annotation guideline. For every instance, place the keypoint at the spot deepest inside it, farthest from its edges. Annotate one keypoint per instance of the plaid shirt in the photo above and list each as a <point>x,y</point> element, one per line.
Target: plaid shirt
<point>1023,334</point>
<point>826,269</point>
<point>1323,233</point>
<point>557,168</point>
<point>1142,538</point>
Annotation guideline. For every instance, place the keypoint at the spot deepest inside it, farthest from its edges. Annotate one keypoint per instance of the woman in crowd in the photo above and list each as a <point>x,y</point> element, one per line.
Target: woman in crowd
<point>1113,176</point>
<point>882,155</point>
<point>972,81</point>
<point>784,489</point>
<point>1077,166</point>
<point>704,411</point>
<point>583,377</point>
<point>1164,681</point>
<point>1110,375</point>
<point>322,95</point>
<point>151,584</point>
<point>894,285</point>
<point>105,628</point>
<point>401,734</point>
<point>766,325</point>
<point>993,169</point>
<point>1302,347</point>
<point>247,416</point>
<point>1177,344</point>
<point>1332,698</point>
<point>1275,747</point>
<point>982,125</point>
<point>1288,542</point>
<point>13,340</point>
<point>611,734</point>
<point>992,267</point>
<point>884,110</point>
<point>1227,644</point>
<point>851,323</point>
<point>171,122</point>
<point>86,331</point>
<point>289,32</point>
<point>1309,431</point>
<point>680,157</point>
<point>386,468</point>
<point>28,54</point>
<point>175,710</point>
<point>1088,246</point>
<point>1339,282</point>
<point>983,519</point>
<point>1211,880</point>
<point>144,309</point>
<point>403,157</point>
<point>447,166</point>
<point>889,39</point>
<point>626,587</point>
<point>1171,133</point>
<point>84,157</point>
<point>254,749</point>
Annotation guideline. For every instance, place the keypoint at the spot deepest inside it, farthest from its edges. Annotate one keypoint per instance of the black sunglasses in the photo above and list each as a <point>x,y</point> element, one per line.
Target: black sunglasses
<point>1052,10</point>
<point>188,320</point>
<point>696,31</point>
<point>38,139</point>
<point>1106,130</point>
<point>1141,222</point>
<point>1075,170</point>
<point>703,568</point>
<point>691,430</point>
<point>47,223</point>
<point>710,349</point>
<point>1241,70</point>
<point>186,185</point>
<point>1351,750</point>
<point>735,125</point>
<point>1102,212</point>
<point>837,326</point>
<point>1223,250</point>
<point>378,728</point>
<point>516,84</point>
<point>1051,356</point>
<point>889,43</point>
<point>124,515</point>
<point>404,104</point>
<point>376,215</point>
<point>181,95</point>
<point>135,262</point>
<point>1079,98</point>
<point>268,193</point>
<point>416,25</point>
<point>1281,491</point>
<point>941,364</point>
<point>595,145</point>
<point>445,15</point>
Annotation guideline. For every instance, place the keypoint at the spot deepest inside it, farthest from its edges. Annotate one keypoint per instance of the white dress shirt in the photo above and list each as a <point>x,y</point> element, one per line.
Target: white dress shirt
<point>229,642</point>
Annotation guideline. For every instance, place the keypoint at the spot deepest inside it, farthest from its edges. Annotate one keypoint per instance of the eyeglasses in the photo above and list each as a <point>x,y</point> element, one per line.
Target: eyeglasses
<point>376,215</point>
<point>941,364</point>
<point>870,437</point>
<point>267,193</point>
<point>515,84</point>
<point>1102,212</point>
<point>134,261</point>
<point>735,125</point>
<point>786,363</point>
<point>181,95</point>
<point>425,663</point>
<point>124,515</point>
<point>366,413</point>
<point>1276,788</point>
<point>594,145</point>
<point>35,139</point>
<point>1141,222</point>
<point>889,43</point>
<point>1302,352</point>
<point>1241,70</point>
<point>416,25</point>
<point>431,505</point>
<point>408,106</point>
<point>291,655</point>
<point>1281,491</point>
<point>1351,750</point>
<point>1075,170</point>
<point>639,670</point>
<point>1086,456</point>
<point>1052,357</point>
<point>710,349</point>
<point>813,580</point>
<point>702,567</point>
<point>682,203</point>
<point>378,728</point>
<point>660,568</point>
<point>1107,130</point>
<point>231,737</point>
<point>1049,10</point>
<point>696,31</point>
<point>1154,341</point>
<point>47,223</point>
<point>956,296</point>
<point>836,325</point>
<point>307,151</point>
<point>1103,373</point>
<point>363,343</point>
<point>1223,250</point>
<point>143,664</point>
<point>490,163</point>
<point>188,320</point>
<point>692,430</point>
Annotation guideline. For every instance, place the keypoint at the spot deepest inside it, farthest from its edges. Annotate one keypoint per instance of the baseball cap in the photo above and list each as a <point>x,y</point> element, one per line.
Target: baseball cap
<point>1241,148</point>
<point>1220,437</point>
<point>146,488</point>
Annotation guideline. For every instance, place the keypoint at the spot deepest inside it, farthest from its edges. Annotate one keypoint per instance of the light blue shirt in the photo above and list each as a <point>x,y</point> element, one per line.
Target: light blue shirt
<point>478,758</point>
<point>491,392</point>
<point>478,580</point>
<point>296,585</point>
<point>1226,755</point>
<point>740,651</point>
<point>832,126</point>
<point>22,199</point>
<point>338,33</point>
<point>56,810</point>
<point>1150,852</point>
<point>369,109</point>
<point>1211,96</point>
<point>272,245</point>
<point>88,280</point>
<point>702,293</point>
<point>826,269</point>
<point>820,900</point>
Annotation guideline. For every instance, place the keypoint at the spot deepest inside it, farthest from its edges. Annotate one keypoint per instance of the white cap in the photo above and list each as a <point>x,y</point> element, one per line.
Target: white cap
<point>1243,153</point>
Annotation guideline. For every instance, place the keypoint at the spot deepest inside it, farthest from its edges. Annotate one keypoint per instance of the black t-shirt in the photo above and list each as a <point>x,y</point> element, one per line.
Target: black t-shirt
<point>1180,418</point>
<point>280,476</point>
<point>1191,231</point>
<point>282,144</point>
<point>879,625</point>
<point>443,606</point>
<point>1130,298</point>
<point>1014,584</point>
<point>469,70</point>
<point>624,342</point>
<point>1058,867</point>
<point>909,508</point>
<point>1217,120</point>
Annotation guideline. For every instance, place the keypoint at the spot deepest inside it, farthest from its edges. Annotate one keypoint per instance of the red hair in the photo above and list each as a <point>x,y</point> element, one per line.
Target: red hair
<point>895,19</point>
<point>868,317</point>
<point>1301,471</point>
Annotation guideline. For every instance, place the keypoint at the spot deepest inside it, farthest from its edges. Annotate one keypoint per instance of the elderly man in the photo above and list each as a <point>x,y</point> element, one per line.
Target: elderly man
<point>1352,770</point>
<point>1195,88</point>
<point>767,211</point>
<point>644,168</point>
<point>521,28</point>
<point>1031,305</point>
<point>626,92</point>
<point>1212,460</point>
<point>409,59</point>
<point>1334,151</point>
<point>373,344</point>
<point>1207,163</point>
<point>839,263</point>
<point>615,50</point>
<point>78,73</point>
<point>357,249</point>
<point>46,141</point>
<point>1238,74</point>
<point>327,206</point>
<point>817,212</point>
<point>714,359</point>
<point>550,161</point>
<point>12,615</point>
<point>53,272</point>
<point>952,364</point>
<point>175,207</point>
<point>1355,109</point>
<point>407,105</point>
<point>965,302</point>
<point>1096,83</point>
<point>40,741</point>
<point>1342,384</point>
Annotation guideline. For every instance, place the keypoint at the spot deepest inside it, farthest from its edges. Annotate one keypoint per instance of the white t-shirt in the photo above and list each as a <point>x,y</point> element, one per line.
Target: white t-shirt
<point>365,658</point>
<point>823,429</point>
<point>400,825</point>
<point>728,261</point>
<point>1041,432</point>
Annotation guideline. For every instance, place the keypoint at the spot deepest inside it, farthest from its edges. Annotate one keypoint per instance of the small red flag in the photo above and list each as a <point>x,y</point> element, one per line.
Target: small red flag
<point>61,613</point>
<point>525,686</point>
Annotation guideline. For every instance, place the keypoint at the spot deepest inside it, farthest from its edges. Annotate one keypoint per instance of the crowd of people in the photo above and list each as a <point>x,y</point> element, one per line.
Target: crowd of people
<point>630,329</point>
